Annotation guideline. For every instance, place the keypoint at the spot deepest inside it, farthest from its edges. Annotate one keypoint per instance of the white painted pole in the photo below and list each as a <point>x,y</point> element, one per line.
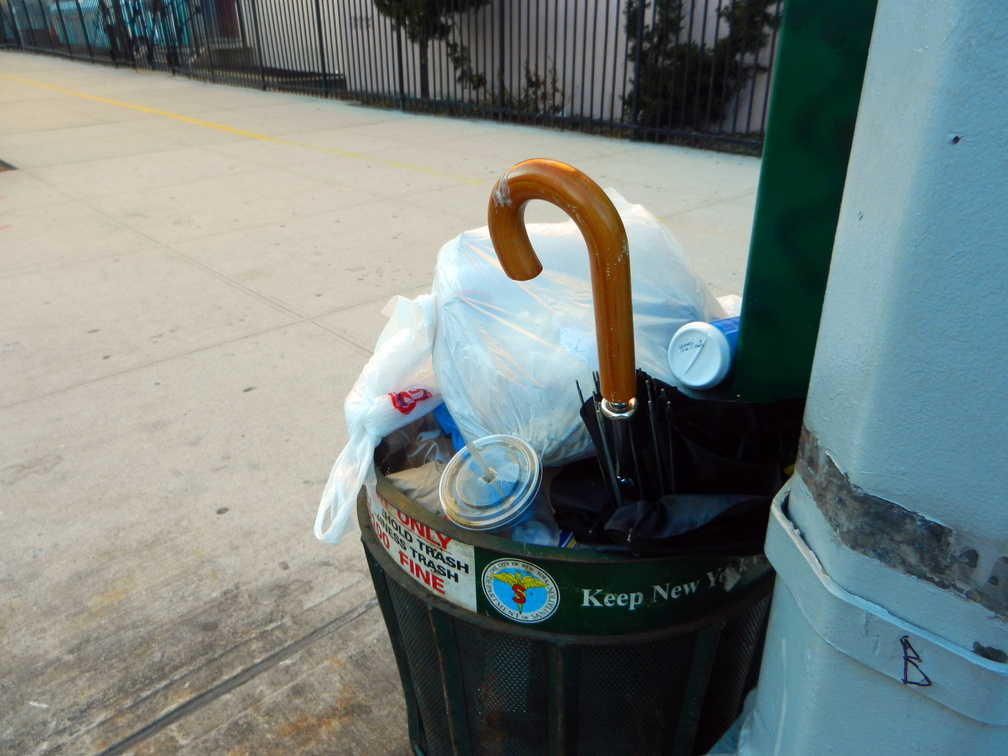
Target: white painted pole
<point>889,630</point>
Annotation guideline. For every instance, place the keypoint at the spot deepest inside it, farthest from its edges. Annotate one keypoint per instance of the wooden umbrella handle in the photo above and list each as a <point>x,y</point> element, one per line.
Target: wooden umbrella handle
<point>600,224</point>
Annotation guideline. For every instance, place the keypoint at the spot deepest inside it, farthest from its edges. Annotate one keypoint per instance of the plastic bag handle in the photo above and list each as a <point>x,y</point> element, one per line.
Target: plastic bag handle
<point>600,224</point>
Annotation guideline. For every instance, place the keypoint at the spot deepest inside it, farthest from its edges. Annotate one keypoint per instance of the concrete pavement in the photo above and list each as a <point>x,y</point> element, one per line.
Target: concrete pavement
<point>191,279</point>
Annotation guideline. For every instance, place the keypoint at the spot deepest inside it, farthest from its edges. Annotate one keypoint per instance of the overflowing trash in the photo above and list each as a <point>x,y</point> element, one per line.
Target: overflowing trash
<point>565,539</point>
<point>507,354</point>
<point>545,394</point>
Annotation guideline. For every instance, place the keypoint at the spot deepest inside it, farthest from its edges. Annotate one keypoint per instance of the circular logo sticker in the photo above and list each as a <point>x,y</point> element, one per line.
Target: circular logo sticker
<point>520,591</point>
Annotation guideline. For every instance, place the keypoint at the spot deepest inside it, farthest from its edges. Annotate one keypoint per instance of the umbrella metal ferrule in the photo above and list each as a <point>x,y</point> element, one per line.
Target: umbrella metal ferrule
<point>619,410</point>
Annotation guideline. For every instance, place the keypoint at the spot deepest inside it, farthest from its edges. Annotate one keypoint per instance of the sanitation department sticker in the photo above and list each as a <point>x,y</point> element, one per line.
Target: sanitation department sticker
<point>520,591</point>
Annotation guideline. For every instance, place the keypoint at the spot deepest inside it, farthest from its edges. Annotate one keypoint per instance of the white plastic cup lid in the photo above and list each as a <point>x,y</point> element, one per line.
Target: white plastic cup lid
<point>700,355</point>
<point>472,501</point>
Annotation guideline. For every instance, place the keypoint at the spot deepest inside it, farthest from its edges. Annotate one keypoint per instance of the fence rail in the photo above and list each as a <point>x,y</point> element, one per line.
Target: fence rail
<point>692,72</point>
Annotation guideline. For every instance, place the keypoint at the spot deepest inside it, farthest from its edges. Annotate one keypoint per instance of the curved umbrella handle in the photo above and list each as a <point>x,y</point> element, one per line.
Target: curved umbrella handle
<point>600,224</point>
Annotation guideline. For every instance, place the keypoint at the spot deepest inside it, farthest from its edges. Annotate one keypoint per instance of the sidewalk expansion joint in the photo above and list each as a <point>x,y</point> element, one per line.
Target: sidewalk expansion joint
<point>209,696</point>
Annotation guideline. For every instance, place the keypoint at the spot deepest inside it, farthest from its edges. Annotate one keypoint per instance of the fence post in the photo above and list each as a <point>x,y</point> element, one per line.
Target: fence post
<point>123,35</point>
<point>84,30</point>
<point>258,44</point>
<point>321,46</point>
<point>399,67</point>
<point>43,15</point>
<point>207,38</point>
<point>66,33</point>
<point>638,54</point>
<point>501,101</point>
<point>18,40</point>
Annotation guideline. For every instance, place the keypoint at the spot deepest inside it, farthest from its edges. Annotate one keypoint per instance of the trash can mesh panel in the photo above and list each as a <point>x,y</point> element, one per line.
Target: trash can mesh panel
<point>484,687</point>
<point>631,695</point>
<point>731,672</point>
<point>506,689</point>
<point>417,635</point>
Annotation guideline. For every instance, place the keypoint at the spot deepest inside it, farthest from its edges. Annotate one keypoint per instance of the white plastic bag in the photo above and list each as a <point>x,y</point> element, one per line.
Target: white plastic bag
<point>396,386</point>
<point>507,353</point>
<point>504,355</point>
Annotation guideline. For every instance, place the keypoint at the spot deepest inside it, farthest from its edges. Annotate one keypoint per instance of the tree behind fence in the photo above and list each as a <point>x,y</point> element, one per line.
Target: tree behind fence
<point>686,71</point>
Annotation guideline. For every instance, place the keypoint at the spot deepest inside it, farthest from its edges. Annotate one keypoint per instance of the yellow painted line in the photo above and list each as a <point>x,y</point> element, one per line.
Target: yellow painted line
<point>242,132</point>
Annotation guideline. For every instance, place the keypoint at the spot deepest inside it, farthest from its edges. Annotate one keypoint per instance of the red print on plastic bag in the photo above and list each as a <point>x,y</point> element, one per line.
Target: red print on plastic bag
<point>406,401</point>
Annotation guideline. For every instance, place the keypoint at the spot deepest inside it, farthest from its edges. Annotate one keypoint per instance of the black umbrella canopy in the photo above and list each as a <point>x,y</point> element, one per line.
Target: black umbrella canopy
<point>707,470</point>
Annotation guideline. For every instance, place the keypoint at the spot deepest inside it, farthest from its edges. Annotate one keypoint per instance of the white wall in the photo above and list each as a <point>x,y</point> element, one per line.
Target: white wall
<point>586,33</point>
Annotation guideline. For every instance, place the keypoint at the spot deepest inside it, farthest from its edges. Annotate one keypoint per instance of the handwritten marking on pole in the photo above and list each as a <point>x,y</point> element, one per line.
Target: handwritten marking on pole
<point>912,660</point>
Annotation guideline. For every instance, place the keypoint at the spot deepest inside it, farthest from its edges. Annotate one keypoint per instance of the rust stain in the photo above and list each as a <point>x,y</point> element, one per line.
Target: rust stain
<point>97,607</point>
<point>157,747</point>
<point>311,728</point>
<point>111,598</point>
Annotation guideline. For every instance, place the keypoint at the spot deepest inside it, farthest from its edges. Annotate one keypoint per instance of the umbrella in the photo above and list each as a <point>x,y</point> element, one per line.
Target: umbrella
<point>614,399</point>
<point>685,475</point>
<point>708,471</point>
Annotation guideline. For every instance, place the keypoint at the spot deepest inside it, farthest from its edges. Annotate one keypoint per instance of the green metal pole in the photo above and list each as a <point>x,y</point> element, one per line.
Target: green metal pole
<point>813,107</point>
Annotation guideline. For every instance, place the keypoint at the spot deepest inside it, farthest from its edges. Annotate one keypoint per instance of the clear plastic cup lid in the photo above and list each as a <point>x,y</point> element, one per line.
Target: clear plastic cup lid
<point>498,496</point>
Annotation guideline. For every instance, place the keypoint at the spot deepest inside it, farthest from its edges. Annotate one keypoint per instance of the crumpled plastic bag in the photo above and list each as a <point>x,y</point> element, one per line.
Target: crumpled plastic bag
<point>504,355</point>
<point>507,354</point>
<point>395,388</point>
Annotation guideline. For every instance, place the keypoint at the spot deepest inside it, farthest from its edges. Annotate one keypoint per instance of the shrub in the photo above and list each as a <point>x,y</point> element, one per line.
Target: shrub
<point>683,84</point>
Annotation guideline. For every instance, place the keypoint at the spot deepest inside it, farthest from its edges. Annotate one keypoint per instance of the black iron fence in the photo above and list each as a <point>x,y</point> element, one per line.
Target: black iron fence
<point>687,71</point>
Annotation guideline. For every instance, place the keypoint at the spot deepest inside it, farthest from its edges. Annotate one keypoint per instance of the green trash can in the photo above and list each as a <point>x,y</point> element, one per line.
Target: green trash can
<point>508,648</point>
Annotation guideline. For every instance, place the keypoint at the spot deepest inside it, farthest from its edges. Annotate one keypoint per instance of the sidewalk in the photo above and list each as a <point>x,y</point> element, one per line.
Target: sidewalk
<point>191,279</point>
